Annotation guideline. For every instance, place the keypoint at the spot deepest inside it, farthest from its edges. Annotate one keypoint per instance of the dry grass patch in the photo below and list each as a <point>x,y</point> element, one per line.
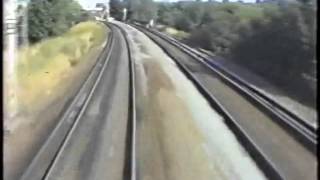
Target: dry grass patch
<point>42,67</point>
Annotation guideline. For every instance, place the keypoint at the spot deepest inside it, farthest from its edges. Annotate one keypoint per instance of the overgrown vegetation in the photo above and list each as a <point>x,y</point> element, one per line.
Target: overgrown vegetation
<point>281,48</point>
<point>116,9</point>
<point>61,36</point>
<point>274,40</point>
<point>42,67</point>
<point>140,10</point>
<point>47,18</point>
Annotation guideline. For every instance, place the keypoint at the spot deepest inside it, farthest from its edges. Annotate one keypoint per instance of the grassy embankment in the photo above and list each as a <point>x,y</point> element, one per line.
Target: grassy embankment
<point>48,74</point>
<point>43,67</point>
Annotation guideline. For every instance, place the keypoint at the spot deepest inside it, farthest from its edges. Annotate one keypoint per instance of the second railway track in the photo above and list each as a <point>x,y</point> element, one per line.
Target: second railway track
<point>301,129</point>
<point>277,153</point>
<point>282,151</point>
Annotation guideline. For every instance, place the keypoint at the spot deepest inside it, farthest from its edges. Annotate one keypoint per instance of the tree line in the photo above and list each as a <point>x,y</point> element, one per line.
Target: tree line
<point>141,10</point>
<point>276,40</point>
<point>47,18</point>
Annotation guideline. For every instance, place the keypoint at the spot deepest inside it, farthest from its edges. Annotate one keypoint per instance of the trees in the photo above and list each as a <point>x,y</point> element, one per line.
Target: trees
<point>141,10</point>
<point>274,40</point>
<point>51,17</point>
<point>183,16</point>
<point>164,14</point>
<point>116,8</point>
<point>182,22</point>
<point>40,21</point>
<point>64,14</point>
<point>281,49</point>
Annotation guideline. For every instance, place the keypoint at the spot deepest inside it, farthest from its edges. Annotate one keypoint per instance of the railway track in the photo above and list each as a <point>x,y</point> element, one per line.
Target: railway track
<point>301,129</point>
<point>131,163</point>
<point>268,160</point>
<point>45,164</point>
<point>311,129</point>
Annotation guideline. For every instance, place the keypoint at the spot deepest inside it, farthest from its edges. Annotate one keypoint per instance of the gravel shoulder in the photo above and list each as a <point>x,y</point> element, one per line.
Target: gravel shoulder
<point>179,135</point>
<point>276,144</point>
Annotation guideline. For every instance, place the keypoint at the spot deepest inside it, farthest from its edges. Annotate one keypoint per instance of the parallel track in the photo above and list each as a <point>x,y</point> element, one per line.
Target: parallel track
<point>303,126</point>
<point>303,131</point>
<point>265,164</point>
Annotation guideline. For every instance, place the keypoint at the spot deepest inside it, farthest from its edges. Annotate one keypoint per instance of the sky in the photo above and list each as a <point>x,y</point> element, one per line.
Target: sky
<point>92,3</point>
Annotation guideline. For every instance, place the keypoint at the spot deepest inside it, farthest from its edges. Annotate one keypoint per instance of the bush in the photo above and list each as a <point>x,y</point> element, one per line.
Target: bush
<point>275,41</point>
<point>116,8</point>
<point>142,10</point>
<point>183,23</point>
<point>200,38</point>
<point>279,49</point>
<point>51,18</point>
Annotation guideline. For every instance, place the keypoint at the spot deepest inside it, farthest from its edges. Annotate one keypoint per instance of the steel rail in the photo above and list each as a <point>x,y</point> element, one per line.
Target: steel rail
<point>263,162</point>
<point>302,132</point>
<point>84,107</point>
<point>131,166</point>
<point>243,82</point>
<point>313,130</point>
<point>46,158</point>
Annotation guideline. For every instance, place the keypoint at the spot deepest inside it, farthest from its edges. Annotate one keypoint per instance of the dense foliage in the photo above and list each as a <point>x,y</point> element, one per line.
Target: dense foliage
<point>116,9</point>
<point>141,10</point>
<point>276,41</point>
<point>52,17</point>
<point>282,49</point>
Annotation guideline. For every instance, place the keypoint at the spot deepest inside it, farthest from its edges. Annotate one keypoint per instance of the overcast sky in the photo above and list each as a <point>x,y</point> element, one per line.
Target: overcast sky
<point>92,3</point>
